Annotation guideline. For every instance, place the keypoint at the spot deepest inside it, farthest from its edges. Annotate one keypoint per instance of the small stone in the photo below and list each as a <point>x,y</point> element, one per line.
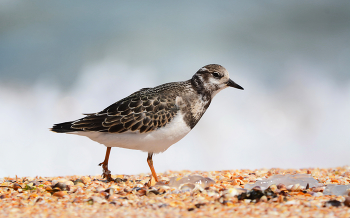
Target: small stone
<point>295,187</point>
<point>49,189</point>
<point>78,181</point>
<point>273,188</point>
<point>152,193</point>
<point>54,182</point>
<point>151,182</point>
<point>255,194</point>
<point>61,186</point>
<point>289,187</point>
<point>263,199</point>
<point>318,189</point>
<point>86,179</point>
<point>347,201</point>
<point>40,199</point>
<point>231,192</point>
<point>60,194</point>
<point>113,197</point>
<point>80,184</point>
<point>142,191</point>
<point>16,186</point>
<point>69,183</point>
<point>111,191</point>
<point>56,189</point>
<point>333,203</point>
<point>281,186</point>
<point>234,182</point>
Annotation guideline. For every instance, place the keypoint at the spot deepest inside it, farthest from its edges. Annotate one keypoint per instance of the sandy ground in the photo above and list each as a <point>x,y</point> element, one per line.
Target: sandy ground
<point>138,196</point>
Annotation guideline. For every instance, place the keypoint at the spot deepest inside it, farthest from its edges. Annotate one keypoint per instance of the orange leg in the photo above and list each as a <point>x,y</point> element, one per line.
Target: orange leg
<point>106,173</point>
<point>150,164</point>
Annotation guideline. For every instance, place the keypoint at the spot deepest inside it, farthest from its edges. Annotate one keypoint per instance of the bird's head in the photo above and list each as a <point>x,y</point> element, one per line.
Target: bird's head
<point>212,79</point>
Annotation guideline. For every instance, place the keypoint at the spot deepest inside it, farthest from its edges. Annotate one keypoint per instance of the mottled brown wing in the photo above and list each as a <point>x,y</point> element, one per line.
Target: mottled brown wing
<point>142,111</point>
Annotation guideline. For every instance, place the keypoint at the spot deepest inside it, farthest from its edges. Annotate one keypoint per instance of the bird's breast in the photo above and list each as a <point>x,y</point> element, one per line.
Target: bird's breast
<point>194,108</point>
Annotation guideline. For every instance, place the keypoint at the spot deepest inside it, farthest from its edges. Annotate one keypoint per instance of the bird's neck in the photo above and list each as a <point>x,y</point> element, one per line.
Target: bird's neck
<point>199,86</point>
<point>196,105</point>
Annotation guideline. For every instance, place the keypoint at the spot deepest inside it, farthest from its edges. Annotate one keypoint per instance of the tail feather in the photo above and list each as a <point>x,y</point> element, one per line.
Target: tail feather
<point>64,127</point>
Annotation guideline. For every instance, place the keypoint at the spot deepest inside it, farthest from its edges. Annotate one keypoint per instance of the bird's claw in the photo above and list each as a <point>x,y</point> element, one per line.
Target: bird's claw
<point>106,173</point>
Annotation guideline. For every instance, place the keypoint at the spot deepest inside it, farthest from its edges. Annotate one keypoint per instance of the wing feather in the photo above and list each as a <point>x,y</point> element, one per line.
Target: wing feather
<point>138,112</point>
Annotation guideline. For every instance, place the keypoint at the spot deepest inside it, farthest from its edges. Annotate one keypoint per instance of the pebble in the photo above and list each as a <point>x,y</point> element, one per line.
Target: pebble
<point>60,194</point>
<point>318,189</point>
<point>281,186</point>
<point>61,185</point>
<point>232,192</point>
<point>152,181</point>
<point>86,179</point>
<point>113,197</point>
<point>263,199</point>
<point>16,186</point>
<point>77,181</point>
<point>295,188</point>
<point>347,201</point>
<point>273,188</point>
<point>219,199</point>
<point>333,203</point>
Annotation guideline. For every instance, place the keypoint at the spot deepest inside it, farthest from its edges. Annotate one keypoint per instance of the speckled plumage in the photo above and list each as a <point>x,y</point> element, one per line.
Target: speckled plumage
<point>152,119</point>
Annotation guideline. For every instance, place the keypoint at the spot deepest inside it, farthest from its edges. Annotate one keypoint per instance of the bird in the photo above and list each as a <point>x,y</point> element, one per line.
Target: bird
<point>152,119</point>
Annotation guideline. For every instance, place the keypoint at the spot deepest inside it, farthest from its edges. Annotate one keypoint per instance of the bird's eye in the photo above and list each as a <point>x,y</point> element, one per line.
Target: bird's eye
<point>216,75</point>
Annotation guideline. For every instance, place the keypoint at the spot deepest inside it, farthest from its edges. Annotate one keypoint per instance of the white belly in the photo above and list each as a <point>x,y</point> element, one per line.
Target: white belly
<point>156,141</point>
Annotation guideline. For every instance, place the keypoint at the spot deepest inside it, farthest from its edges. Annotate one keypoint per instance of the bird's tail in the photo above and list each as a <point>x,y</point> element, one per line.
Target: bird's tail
<point>64,127</point>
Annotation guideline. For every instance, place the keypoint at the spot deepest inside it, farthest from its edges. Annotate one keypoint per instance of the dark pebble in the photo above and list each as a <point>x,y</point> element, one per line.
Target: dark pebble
<point>16,186</point>
<point>333,203</point>
<point>77,181</point>
<point>155,192</point>
<point>199,205</point>
<point>61,186</point>
<point>118,180</point>
<point>347,201</point>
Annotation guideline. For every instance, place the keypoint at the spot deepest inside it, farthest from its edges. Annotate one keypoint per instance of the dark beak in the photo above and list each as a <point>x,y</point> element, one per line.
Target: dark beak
<point>233,84</point>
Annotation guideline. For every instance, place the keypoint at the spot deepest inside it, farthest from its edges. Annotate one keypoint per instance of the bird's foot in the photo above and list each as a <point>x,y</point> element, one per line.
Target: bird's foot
<point>106,173</point>
<point>151,182</point>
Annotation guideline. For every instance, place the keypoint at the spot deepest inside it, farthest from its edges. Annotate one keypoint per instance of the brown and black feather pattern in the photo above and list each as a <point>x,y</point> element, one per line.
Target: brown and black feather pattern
<point>144,111</point>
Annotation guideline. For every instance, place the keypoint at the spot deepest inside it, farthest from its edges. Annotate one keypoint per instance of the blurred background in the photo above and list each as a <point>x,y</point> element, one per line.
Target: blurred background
<point>59,59</point>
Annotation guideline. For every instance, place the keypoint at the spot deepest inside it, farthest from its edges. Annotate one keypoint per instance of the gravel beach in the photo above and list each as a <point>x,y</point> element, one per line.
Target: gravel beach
<point>215,194</point>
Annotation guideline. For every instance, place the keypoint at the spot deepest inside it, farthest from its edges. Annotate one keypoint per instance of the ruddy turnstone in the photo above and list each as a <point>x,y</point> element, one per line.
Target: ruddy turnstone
<point>152,119</point>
